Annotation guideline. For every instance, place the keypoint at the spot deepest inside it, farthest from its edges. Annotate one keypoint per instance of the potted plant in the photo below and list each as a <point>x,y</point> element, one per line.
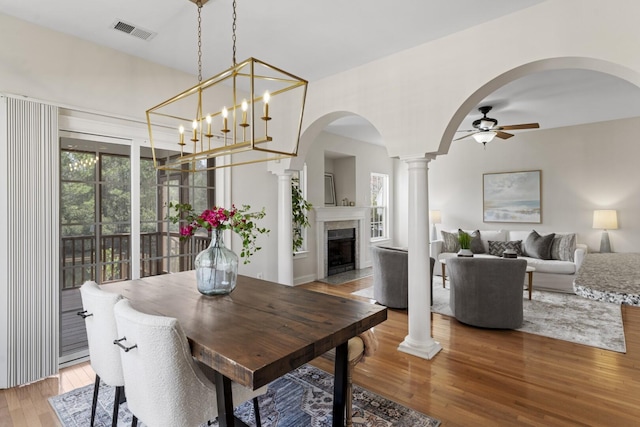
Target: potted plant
<point>299,209</point>
<point>465,244</point>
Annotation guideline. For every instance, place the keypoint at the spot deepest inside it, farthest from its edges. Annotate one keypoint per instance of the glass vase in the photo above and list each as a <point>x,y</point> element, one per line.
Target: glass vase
<point>216,267</point>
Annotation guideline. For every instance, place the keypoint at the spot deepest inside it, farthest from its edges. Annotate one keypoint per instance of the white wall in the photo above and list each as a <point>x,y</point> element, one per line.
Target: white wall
<point>368,158</point>
<point>55,67</point>
<point>344,175</point>
<point>583,168</point>
<point>258,188</point>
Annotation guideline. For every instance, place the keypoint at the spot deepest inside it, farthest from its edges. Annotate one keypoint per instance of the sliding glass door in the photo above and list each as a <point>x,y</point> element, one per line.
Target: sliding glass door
<point>95,226</point>
<point>96,217</point>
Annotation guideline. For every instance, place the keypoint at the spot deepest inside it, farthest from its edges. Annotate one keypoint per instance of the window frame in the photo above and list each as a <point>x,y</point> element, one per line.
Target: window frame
<point>385,208</point>
<point>301,175</point>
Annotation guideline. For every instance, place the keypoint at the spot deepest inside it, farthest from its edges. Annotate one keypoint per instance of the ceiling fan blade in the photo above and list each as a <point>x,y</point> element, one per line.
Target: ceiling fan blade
<point>466,136</point>
<point>522,126</point>
<point>503,135</point>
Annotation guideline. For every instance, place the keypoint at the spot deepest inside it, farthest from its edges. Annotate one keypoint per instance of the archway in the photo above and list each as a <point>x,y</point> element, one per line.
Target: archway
<point>509,76</point>
<point>334,145</point>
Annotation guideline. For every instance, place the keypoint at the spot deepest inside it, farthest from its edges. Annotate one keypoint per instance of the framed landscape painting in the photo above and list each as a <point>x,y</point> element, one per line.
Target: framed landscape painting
<point>512,197</point>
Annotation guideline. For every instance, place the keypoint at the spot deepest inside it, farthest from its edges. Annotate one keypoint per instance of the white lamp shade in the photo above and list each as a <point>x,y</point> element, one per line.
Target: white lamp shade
<point>605,219</point>
<point>484,137</point>
<point>435,217</point>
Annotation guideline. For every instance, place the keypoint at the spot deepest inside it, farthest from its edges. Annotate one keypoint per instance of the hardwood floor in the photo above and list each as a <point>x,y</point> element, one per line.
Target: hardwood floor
<point>480,378</point>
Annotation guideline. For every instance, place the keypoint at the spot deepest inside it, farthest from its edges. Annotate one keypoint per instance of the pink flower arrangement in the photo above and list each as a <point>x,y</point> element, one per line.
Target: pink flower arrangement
<point>238,220</point>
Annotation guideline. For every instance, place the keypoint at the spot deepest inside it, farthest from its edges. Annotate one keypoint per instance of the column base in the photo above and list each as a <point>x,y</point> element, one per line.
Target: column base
<point>425,350</point>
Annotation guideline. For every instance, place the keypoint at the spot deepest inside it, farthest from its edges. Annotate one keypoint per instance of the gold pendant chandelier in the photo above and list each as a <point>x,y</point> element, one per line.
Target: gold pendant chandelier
<point>251,112</point>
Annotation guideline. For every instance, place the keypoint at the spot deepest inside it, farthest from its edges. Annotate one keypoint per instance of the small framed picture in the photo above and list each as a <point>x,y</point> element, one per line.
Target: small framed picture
<point>329,190</point>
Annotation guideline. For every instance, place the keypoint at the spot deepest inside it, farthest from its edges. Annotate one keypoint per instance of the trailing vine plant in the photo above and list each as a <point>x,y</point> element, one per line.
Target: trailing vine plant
<point>300,208</point>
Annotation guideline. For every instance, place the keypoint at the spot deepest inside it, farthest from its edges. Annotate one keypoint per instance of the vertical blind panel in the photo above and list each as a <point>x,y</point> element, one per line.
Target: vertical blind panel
<point>33,240</point>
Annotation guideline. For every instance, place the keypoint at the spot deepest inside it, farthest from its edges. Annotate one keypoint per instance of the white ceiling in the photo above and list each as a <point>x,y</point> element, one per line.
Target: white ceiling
<point>314,39</point>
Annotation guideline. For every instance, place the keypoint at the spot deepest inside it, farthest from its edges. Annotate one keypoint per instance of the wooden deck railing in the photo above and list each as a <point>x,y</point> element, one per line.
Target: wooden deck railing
<point>79,261</point>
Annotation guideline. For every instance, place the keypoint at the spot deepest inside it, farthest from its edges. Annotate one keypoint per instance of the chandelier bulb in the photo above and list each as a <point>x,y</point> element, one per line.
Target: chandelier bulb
<point>266,97</point>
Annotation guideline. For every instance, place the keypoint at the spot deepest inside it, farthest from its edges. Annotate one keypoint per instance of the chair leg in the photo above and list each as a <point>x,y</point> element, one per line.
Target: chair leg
<point>256,410</point>
<point>94,403</point>
<point>134,421</point>
<point>116,405</point>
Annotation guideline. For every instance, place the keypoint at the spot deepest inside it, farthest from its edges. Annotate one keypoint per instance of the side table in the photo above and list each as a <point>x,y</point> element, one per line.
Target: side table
<point>530,271</point>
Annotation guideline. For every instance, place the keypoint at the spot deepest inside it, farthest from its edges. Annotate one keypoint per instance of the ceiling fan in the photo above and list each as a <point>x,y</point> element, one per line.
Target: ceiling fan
<point>486,128</point>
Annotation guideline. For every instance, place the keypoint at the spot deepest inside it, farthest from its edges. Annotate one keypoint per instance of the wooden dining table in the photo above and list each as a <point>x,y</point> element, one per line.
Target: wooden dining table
<point>259,332</point>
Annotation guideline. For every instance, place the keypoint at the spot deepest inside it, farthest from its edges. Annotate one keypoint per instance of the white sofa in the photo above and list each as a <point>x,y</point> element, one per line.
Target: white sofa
<point>552,275</point>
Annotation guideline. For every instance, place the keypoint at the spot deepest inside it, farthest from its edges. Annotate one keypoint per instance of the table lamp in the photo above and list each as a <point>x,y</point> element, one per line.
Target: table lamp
<point>435,218</point>
<point>606,219</point>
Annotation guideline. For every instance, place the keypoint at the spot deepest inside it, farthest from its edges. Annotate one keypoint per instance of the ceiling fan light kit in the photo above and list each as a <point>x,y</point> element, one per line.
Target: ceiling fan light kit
<point>486,128</point>
<point>484,137</point>
<point>232,114</point>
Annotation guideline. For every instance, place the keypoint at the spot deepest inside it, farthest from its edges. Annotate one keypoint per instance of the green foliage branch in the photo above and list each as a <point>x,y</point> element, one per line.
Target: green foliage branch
<point>299,210</point>
<point>239,220</point>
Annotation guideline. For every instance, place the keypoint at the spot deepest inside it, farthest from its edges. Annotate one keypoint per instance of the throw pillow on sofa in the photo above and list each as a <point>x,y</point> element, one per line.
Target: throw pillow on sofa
<point>498,248</point>
<point>450,242</point>
<point>563,247</point>
<point>537,246</point>
<point>477,247</point>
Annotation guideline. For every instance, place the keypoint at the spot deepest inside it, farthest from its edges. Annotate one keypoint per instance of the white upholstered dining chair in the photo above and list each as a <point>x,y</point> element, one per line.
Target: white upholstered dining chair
<point>165,385</point>
<point>358,348</point>
<point>101,331</point>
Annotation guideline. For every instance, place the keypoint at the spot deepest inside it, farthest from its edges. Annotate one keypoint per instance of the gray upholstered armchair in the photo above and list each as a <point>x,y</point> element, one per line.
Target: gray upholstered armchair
<point>390,276</point>
<point>487,292</point>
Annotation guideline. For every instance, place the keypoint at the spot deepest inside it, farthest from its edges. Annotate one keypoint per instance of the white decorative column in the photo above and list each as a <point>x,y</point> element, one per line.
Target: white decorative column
<point>419,342</point>
<point>285,234</point>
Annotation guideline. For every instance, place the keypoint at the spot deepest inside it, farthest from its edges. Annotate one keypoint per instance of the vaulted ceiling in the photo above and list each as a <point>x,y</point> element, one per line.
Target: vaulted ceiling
<point>317,39</point>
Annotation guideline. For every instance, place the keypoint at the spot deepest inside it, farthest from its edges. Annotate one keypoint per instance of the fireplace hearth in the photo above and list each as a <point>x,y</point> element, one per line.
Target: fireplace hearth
<point>341,250</point>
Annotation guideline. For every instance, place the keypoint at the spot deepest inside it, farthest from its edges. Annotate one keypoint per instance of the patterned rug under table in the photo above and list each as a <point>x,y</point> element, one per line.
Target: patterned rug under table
<point>302,398</point>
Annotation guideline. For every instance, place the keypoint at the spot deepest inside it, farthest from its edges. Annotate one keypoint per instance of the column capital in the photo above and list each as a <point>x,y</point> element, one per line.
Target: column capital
<point>416,158</point>
<point>284,172</point>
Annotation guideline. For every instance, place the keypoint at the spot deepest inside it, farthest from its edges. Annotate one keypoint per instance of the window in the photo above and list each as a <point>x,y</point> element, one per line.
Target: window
<point>161,249</point>
<point>95,209</point>
<point>299,183</point>
<point>96,223</point>
<point>379,206</point>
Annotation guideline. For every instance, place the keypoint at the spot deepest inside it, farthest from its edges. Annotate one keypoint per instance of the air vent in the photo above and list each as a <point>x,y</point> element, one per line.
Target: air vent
<point>133,30</point>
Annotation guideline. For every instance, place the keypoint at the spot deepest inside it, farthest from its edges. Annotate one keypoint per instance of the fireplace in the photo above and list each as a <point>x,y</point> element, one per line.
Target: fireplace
<point>340,218</point>
<point>341,250</point>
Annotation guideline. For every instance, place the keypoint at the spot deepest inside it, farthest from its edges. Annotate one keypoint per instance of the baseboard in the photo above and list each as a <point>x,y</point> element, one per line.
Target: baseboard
<point>73,359</point>
<point>304,279</point>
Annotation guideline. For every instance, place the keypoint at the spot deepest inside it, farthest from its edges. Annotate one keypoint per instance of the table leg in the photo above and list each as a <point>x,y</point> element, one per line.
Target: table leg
<point>530,273</point>
<point>444,276</point>
<point>224,399</point>
<point>340,384</point>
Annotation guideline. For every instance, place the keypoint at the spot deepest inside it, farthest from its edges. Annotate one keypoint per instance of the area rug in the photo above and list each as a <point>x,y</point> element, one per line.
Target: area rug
<point>347,276</point>
<point>555,315</point>
<point>303,397</point>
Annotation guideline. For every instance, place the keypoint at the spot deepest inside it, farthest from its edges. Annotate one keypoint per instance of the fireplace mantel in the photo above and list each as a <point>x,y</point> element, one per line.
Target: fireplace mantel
<point>340,213</point>
<point>336,214</point>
